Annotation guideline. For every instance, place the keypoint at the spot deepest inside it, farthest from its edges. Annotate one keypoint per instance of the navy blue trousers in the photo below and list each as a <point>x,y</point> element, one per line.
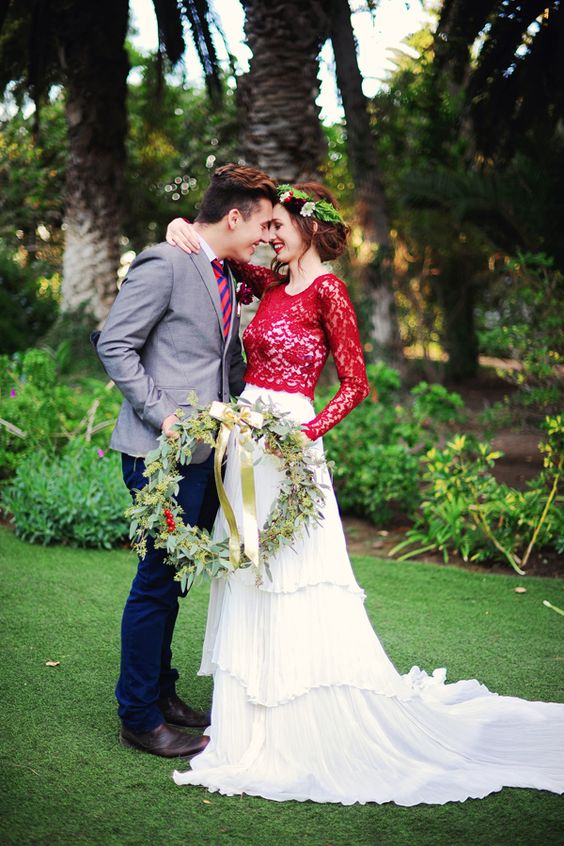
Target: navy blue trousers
<point>146,673</point>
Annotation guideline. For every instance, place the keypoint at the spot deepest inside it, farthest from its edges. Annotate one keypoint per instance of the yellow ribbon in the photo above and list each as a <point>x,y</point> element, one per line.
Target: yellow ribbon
<point>244,418</point>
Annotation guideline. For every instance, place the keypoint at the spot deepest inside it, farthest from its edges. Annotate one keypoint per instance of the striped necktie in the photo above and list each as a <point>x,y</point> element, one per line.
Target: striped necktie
<point>224,294</point>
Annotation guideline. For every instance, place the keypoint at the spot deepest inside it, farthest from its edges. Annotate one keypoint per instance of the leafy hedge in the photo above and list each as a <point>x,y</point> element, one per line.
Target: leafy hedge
<point>77,497</point>
<point>376,450</point>
<point>40,411</point>
<point>59,482</point>
<point>387,455</point>
<point>464,509</point>
<point>28,306</point>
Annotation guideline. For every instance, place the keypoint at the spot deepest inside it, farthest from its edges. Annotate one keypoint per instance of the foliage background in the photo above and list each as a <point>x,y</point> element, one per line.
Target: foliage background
<point>467,176</point>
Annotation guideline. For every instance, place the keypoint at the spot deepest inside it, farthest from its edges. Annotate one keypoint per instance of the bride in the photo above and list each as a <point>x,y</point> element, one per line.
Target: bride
<point>306,703</point>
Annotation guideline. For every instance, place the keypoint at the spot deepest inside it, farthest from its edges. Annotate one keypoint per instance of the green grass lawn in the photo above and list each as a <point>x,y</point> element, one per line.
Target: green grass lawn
<point>67,781</point>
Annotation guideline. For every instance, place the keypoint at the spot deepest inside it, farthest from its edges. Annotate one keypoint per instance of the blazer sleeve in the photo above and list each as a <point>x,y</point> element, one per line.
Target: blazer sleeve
<point>141,303</point>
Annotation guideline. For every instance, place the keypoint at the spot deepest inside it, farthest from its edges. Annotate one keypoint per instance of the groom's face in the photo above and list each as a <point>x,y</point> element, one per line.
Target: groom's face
<point>247,233</point>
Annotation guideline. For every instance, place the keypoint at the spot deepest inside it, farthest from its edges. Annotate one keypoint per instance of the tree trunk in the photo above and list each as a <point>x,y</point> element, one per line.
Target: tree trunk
<point>457,299</point>
<point>456,291</point>
<point>95,64</point>
<point>281,131</point>
<point>377,268</point>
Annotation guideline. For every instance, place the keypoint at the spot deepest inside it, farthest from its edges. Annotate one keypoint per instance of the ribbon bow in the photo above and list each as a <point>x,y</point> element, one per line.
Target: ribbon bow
<point>244,418</point>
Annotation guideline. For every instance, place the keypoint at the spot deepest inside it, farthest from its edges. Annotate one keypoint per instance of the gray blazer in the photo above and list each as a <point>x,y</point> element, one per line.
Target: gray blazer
<point>164,338</point>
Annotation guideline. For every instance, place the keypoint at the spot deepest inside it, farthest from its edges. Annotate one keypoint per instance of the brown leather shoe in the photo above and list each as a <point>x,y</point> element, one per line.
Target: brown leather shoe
<point>178,713</point>
<point>164,741</point>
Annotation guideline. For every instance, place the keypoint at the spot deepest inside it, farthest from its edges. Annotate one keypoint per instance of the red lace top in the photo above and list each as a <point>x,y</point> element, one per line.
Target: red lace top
<point>291,335</point>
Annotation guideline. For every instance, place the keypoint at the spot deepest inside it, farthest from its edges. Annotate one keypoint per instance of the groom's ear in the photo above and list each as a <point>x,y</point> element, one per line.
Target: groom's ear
<point>233,217</point>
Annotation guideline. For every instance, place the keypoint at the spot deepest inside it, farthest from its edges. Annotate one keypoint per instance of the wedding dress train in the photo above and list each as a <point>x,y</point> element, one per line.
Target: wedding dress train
<point>307,705</point>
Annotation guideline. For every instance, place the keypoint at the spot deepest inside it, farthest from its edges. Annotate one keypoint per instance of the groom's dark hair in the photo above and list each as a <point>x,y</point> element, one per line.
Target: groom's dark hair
<point>235,187</point>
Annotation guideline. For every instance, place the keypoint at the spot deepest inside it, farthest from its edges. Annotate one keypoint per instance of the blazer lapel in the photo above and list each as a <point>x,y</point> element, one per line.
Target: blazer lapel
<point>234,314</point>
<point>203,265</point>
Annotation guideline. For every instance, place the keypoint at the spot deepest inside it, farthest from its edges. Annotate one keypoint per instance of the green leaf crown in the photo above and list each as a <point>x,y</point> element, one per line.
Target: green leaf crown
<point>301,203</point>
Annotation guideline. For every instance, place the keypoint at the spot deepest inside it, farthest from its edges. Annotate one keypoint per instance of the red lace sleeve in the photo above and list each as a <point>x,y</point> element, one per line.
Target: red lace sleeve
<point>339,322</point>
<point>256,277</point>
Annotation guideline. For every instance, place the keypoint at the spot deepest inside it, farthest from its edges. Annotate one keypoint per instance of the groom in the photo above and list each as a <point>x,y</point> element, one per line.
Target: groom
<point>173,329</point>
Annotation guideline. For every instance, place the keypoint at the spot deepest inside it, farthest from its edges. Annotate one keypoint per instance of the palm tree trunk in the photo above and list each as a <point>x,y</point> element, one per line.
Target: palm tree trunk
<point>457,295</point>
<point>96,67</point>
<point>377,268</point>
<point>280,118</point>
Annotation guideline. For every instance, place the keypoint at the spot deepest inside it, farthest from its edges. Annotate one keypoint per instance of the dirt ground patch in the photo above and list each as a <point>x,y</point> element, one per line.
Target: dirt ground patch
<point>363,538</point>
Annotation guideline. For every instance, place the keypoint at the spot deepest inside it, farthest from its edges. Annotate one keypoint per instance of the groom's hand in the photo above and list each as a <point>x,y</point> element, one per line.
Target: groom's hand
<point>168,424</point>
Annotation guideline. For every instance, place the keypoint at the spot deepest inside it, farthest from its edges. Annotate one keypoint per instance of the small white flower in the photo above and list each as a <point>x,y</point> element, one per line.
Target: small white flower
<point>307,209</point>
<point>284,196</point>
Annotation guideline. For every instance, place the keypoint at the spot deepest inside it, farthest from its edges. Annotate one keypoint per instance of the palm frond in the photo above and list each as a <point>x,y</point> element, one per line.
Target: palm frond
<point>169,22</point>
<point>497,203</point>
<point>197,13</point>
<point>459,25</point>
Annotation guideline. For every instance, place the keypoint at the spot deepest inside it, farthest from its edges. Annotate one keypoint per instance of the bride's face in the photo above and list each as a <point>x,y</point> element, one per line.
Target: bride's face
<point>285,238</point>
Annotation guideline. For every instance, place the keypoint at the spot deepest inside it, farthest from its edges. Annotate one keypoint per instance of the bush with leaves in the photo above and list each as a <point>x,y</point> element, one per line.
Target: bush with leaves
<point>40,412</point>
<point>465,510</point>
<point>76,498</point>
<point>28,304</point>
<point>523,319</point>
<point>376,449</point>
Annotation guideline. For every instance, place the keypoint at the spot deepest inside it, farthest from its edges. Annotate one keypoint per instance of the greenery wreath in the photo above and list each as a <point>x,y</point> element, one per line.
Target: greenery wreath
<point>192,550</point>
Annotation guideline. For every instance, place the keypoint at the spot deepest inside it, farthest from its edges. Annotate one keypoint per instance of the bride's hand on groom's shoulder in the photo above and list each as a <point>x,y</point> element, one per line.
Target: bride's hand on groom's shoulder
<point>181,233</point>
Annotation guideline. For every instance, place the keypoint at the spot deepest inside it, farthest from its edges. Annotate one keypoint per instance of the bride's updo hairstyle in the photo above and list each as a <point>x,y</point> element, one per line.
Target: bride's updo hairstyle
<point>314,212</point>
<point>329,239</point>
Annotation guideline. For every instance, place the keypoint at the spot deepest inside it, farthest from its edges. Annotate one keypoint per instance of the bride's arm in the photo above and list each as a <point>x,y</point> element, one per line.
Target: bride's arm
<point>339,322</point>
<point>256,277</point>
<point>181,233</point>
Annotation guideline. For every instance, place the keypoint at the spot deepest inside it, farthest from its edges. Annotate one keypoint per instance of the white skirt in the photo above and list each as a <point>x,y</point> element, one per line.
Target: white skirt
<point>307,705</point>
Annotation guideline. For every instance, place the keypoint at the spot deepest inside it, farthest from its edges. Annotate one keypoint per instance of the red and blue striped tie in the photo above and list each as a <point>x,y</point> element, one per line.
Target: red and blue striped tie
<point>224,294</point>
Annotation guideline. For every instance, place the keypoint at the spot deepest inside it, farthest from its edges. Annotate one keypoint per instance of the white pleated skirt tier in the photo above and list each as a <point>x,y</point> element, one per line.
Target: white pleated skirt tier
<point>307,705</point>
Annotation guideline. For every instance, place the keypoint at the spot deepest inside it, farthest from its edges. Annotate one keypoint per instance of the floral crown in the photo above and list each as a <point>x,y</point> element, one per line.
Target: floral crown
<point>299,201</point>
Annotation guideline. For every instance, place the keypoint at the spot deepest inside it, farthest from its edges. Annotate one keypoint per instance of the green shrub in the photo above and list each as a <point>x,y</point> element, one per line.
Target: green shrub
<point>522,318</point>
<point>433,404</point>
<point>28,304</point>
<point>76,498</point>
<point>465,510</point>
<point>376,449</point>
<point>38,411</point>
<point>71,334</point>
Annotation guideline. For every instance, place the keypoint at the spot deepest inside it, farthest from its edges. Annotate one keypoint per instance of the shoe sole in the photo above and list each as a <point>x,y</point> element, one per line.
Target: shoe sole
<point>129,745</point>
<point>189,726</point>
